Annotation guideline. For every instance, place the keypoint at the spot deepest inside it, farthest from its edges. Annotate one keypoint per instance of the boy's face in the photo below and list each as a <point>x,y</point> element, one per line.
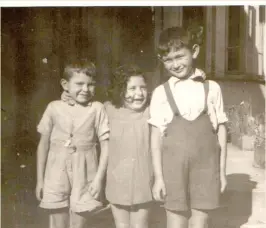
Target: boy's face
<point>80,87</point>
<point>136,93</point>
<point>179,63</point>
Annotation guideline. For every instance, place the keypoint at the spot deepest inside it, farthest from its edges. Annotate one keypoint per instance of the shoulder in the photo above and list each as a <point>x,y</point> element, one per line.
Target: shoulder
<point>97,105</point>
<point>147,111</point>
<point>159,91</point>
<point>215,92</point>
<point>213,85</point>
<point>54,104</point>
<point>108,106</point>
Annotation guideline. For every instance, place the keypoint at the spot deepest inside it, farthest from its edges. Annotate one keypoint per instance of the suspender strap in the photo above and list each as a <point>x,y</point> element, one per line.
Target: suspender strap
<point>206,91</point>
<point>170,98</point>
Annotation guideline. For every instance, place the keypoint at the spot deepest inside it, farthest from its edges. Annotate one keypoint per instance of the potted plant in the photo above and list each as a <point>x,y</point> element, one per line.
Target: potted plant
<point>259,143</point>
<point>240,126</point>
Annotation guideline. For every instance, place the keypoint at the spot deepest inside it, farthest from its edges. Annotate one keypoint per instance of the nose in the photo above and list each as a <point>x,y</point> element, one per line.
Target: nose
<point>85,88</point>
<point>139,91</point>
<point>175,63</point>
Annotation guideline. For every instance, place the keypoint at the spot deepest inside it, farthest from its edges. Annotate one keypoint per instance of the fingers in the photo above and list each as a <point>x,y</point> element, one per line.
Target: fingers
<point>156,195</point>
<point>223,187</point>
<point>223,183</point>
<point>94,191</point>
<point>39,194</point>
<point>163,192</point>
<point>159,194</point>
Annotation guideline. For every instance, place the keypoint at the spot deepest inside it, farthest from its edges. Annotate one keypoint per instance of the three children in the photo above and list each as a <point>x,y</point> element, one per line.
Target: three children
<point>187,147</point>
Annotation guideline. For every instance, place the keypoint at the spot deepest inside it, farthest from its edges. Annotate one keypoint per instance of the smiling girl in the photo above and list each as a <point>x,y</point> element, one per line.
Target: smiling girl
<point>128,187</point>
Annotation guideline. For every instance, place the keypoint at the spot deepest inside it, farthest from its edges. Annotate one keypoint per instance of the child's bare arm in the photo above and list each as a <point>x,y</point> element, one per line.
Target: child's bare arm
<point>96,185</point>
<point>103,160</point>
<point>156,152</point>
<point>42,153</point>
<point>158,190</point>
<point>222,138</point>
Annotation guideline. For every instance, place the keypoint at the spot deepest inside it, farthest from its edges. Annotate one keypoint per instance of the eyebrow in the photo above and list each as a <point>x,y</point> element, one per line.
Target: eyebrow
<point>178,55</point>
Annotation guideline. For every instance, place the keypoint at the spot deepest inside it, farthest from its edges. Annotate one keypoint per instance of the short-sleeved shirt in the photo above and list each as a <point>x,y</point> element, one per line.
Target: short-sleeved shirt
<point>189,97</point>
<point>72,161</point>
<point>59,121</point>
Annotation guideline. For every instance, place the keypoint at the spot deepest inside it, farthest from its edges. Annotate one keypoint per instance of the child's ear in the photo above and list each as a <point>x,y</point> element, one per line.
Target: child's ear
<point>64,84</point>
<point>195,51</point>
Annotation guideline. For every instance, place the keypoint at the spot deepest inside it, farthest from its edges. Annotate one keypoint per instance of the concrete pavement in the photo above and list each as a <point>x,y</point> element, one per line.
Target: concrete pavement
<point>243,202</point>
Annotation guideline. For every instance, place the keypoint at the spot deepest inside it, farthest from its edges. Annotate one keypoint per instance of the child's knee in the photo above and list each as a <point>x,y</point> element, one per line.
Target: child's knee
<point>78,220</point>
<point>199,218</point>
<point>59,218</point>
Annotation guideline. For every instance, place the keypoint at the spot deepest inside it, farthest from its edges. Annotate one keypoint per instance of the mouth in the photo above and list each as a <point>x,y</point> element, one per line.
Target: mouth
<point>140,100</point>
<point>179,71</point>
<point>84,95</point>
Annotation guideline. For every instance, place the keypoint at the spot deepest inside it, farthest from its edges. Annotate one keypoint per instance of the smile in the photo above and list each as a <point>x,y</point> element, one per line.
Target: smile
<point>138,100</point>
<point>179,71</point>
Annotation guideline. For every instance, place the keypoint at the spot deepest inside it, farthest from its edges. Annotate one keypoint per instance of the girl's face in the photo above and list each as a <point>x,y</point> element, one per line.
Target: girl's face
<point>179,63</point>
<point>136,93</point>
<point>80,87</point>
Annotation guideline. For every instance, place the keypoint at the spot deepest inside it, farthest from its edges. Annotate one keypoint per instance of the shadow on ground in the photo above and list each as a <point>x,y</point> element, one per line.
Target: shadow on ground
<point>236,203</point>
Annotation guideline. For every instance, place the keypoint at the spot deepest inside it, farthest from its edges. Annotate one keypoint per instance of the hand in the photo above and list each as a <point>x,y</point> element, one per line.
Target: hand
<point>223,182</point>
<point>159,190</point>
<point>67,98</point>
<point>95,188</point>
<point>39,191</point>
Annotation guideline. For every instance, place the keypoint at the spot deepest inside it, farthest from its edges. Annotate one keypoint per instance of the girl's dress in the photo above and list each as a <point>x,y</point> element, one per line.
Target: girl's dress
<point>72,158</point>
<point>129,166</point>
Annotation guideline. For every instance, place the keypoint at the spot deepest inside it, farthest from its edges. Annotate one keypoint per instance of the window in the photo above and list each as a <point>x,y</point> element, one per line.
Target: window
<point>234,39</point>
<point>235,42</point>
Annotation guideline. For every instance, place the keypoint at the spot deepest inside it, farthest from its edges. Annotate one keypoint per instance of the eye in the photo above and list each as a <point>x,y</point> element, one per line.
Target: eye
<point>132,88</point>
<point>143,87</point>
<point>167,61</point>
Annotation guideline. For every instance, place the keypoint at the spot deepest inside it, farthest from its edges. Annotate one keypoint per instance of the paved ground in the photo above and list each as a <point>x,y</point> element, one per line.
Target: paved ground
<point>243,203</point>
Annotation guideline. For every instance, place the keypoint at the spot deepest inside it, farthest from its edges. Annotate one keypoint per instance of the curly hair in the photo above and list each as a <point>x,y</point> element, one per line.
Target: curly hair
<point>177,37</point>
<point>118,83</point>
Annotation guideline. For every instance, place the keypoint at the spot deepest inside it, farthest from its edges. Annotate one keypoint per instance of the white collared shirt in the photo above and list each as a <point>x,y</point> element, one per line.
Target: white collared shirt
<point>189,96</point>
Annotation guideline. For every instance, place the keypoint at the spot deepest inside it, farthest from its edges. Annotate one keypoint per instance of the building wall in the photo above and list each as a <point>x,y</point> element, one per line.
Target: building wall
<point>245,35</point>
<point>34,43</point>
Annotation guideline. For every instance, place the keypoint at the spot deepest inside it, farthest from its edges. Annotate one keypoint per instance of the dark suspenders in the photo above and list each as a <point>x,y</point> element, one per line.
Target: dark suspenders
<point>171,100</point>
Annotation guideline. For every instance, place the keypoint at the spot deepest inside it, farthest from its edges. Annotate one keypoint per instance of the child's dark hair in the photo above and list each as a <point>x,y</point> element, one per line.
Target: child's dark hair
<point>79,66</point>
<point>118,83</point>
<point>174,38</point>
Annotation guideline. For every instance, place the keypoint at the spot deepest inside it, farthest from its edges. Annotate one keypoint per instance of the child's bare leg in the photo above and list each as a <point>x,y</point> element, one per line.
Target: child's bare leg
<point>59,218</point>
<point>121,216</point>
<point>78,220</point>
<point>139,216</point>
<point>199,218</point>
<point>177,219</point>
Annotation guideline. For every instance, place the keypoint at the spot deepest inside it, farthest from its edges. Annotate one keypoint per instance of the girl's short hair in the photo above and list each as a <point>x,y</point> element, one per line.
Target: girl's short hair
<point>118,83</point>
<point>79,66</point>
<point>174,38</point>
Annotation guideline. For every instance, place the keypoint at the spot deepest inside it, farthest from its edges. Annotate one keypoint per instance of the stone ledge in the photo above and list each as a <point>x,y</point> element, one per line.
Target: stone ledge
<point>254,225</point>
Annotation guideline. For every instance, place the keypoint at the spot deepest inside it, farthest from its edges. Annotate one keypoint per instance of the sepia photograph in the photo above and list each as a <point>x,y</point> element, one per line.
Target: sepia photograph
<point>133,116</point>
